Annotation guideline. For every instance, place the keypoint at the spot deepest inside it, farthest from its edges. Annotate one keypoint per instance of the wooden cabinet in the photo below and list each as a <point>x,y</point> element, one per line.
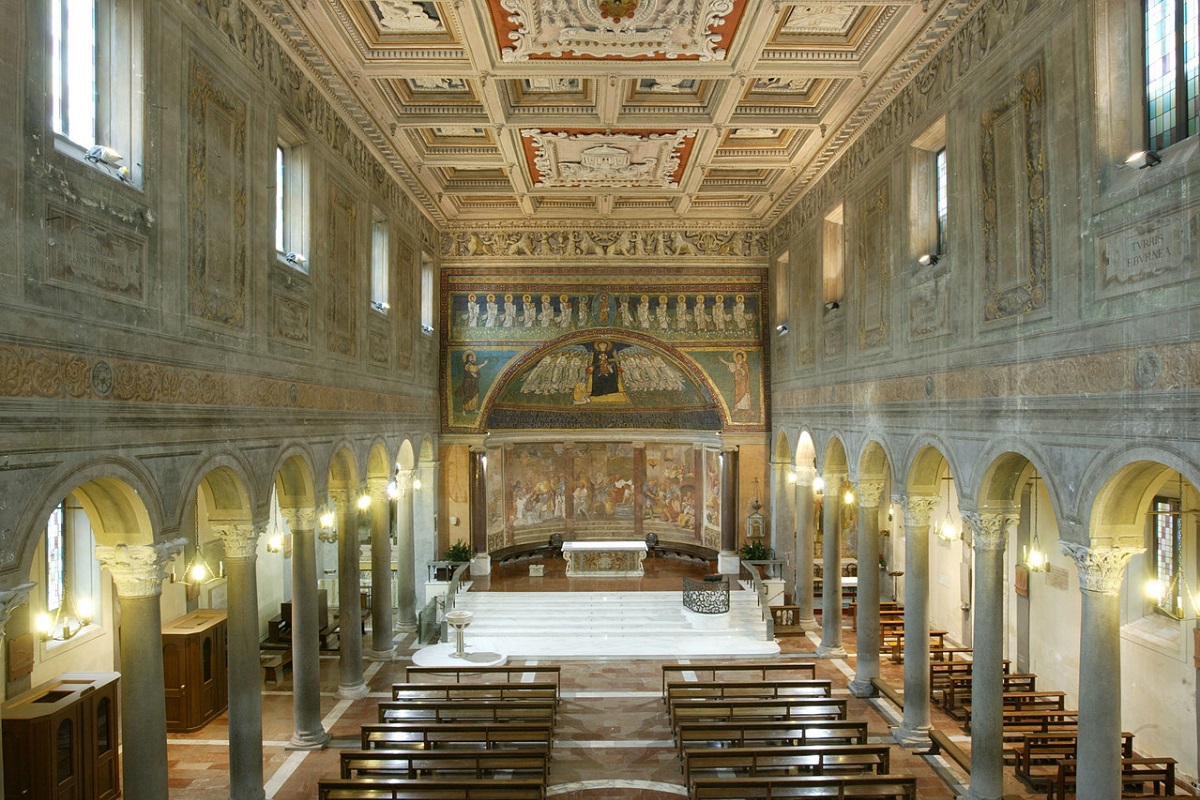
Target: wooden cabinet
<point>194,669</point>
<point>60,739</point>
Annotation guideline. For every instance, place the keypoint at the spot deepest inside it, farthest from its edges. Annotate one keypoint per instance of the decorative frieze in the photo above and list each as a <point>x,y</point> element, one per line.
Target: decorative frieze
<point>607,243</point>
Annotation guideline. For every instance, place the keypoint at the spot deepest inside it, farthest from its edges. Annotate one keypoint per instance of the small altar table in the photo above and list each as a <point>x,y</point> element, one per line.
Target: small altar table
<point>605,559</point>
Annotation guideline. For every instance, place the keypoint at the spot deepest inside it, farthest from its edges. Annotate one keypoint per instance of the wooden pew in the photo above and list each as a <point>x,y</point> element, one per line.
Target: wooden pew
<point>822,759</point>
<point>494,711</point>
<point>1019,721</point>
<point>458,735</point>
<point>546,690</point>
<point>732,709</point>
<point>418,789</point>
<point>796,669</point>
<point>1049,701</point>
<point>895,642</point>
<point>761,733</point>
<point>509,673</point>
<point>273,663</point>
<point>941,670</point>
<point>693,690</point>
<point>1037,756</point>
<point>957,690</point>
<point>527,764</point>
<point>1135,773</point>
<point>863,787</point>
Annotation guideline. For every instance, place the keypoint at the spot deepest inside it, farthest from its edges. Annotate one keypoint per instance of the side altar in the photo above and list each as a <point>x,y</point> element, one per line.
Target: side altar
<point>605,559</point>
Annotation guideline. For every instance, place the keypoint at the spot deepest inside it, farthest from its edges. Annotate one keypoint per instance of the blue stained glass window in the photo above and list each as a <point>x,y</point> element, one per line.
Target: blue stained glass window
<point>1172,107</point>
<point>1168,545</point>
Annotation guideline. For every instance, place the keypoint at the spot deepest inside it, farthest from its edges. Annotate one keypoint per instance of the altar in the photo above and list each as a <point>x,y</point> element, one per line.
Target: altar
<point>605,559</point>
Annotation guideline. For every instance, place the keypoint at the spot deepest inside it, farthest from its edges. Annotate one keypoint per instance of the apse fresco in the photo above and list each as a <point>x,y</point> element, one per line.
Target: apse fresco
<point>674,497</point>
<point>644,348</point>
<point>712,498</point>
<point>602,482</point>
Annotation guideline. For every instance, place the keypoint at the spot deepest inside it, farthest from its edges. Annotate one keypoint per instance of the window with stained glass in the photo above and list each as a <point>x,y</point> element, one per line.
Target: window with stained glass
<point>1172,63</point>
<point>56,560</point>
<point>1167,543</point>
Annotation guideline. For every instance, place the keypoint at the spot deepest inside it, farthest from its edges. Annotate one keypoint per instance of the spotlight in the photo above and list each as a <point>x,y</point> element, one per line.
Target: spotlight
<point>832,305</point>
<point>781,329</point>
<point>103,154</point>
<point>380,306</point>
<point>1143,159</point>
<point>929,259</point>
<point>299,259</point>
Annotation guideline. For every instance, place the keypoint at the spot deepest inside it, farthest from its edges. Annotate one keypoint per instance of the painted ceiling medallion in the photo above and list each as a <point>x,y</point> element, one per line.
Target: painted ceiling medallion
<point>606,160</point>
<point>405,16</point>
<point>622,28</point>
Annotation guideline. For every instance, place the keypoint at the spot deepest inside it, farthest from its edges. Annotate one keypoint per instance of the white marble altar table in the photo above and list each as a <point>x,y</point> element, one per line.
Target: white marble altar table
<point>613,558</point>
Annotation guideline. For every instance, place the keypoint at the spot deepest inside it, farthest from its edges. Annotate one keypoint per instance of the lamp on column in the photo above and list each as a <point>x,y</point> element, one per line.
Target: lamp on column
<point>58,627</point>
<point>1035,558</point>
<point>948,531</point>
<point>327,523</point>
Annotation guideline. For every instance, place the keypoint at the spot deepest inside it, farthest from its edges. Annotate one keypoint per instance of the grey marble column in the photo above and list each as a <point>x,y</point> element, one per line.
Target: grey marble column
<point>989,538</point>
<point>729,499</point>
<point>245,676</point>
<point>913,732</point>
<point>9,599</point>
<point>309,732</point>
<point>383,512</point>
<point>1101,570</point>
<point>355,527</point>
<point>831,570</point>
<point>405,549</point>
<point>783,521</point>
<point>867,601</point>
<point>805,543</point>
<point>138,572</point>
<point>478,493</point>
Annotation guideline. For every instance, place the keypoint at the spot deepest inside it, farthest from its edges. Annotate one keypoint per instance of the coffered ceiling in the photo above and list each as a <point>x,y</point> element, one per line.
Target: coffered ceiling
<point>532,111</point>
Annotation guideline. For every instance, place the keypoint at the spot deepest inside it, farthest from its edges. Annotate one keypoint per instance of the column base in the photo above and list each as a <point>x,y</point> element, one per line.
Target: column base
<point>380,655</point>
<point>255,793</point>
<point>354,692</point>
<point>913,739</point>
<point>837,651</point>
<point>308,740</point>
<point>971,795</point>
<point>810,624</point>
<point>728,563</point>
<point>863,687</point>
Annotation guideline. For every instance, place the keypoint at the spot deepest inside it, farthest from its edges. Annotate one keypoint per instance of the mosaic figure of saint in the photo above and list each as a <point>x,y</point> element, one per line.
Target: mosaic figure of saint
<point>467,392</point>
<point>741,380</point>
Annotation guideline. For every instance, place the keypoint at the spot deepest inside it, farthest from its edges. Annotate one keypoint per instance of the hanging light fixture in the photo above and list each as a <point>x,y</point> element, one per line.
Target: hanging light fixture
<point>948,531</point>
<point>1036,559</point>
<point>197,570</point>
<point>818,485</point>
<point>58,627</point>
<point>327,523</point>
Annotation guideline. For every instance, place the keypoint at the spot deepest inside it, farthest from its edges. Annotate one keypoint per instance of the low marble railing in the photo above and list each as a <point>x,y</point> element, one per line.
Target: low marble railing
<point>706,597</point>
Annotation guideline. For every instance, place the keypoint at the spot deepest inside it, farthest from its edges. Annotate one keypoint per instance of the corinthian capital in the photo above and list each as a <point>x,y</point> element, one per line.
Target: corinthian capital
<point>805,476</point>
<point>10,599</point>
<point>1100,568</point>
<point>239,538</point>
<point>300,519</point>
<point>988,529</point>
<point>869,493</point>
<point>139,570</point>
<point>917,508</point>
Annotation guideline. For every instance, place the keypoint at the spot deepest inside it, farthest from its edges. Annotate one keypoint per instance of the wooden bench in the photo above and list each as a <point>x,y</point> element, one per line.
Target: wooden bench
<point>273,663</point>
<point>864,787</point>
<point>1135,773</point>
<point>476,691</point>
<point>418,789</point>
<point>1019,721</point>
<point>693,690</point>
<point>942,670</point>
<point>521,764</point>
<point>494,711</point>
<point>1036,758</point>
<point>745,708</point>
<point>511,673</point>
<point>895,642</point>
<point>1015,702</point>
<point>888,691</point>
<point>957,690</point>
<point>761,733</point>
<point>888,610</point>
<point>940,744</point>
<point>457,735</point>
<point>822,759</point>
<point>805,669</point>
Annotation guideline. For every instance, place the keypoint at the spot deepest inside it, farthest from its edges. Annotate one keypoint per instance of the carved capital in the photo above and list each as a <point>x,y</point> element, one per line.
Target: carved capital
<point>139,570</point>
<point>240,540</point>
<point>917,508</point>
<point>300,519</point>
<point>10,599</point>
<point>805,476</point>
<point>988,530</point>
<point>377,489</point>
<point>868,493</point>
<point>1100,568</point>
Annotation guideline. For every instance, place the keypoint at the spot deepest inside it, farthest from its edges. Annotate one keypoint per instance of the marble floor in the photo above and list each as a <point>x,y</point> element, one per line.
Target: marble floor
<point>612,738</point>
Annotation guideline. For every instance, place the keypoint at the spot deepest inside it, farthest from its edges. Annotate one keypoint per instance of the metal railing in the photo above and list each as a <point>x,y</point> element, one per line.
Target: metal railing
<point>760,589</point>
<point>706,596</point>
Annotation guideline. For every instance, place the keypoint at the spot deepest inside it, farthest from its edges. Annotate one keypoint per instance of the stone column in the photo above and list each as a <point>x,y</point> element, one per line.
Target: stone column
<point>783,521</point>
<point>867,606</point>
<point>9,600</point>
<point>478,492</point>
<point>245,677</point>
<point>805,543</point>
<point>727,559</point>
<point>138,572</point>
<point>356,528</point>
<point>405,549</point>
<point>989,537</point>
<point>913,732</point>
<point>309,733</point>
<point>382,506</point>
<point>831,570</point>
<point>1101,570</point>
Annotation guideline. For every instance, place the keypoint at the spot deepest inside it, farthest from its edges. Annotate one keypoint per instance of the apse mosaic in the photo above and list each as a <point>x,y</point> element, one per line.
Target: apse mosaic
<point>680,354</point>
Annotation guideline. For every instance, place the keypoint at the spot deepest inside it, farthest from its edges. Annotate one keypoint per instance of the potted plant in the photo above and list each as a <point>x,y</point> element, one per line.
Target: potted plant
<point>755,550</point>
<point>458,552</point>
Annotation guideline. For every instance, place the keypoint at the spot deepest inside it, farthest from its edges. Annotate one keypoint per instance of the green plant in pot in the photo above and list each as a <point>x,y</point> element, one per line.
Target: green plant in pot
<point>459,551</point>
<point>755,550</point>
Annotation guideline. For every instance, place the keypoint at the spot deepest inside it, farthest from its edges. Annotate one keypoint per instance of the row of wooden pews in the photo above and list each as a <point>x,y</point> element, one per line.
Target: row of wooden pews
<point>460,733</point>
<point>780,735</point>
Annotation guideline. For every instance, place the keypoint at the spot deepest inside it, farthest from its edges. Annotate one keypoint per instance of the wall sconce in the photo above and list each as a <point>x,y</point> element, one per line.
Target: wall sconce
<point>781,329</point>
<point>929,259</point>
<point>416,484</point>
<point>848,496</point>
<point>818,485</point>
<point>1143,159</point>
<point>393,489</point>
<point>1035,558</point>
<point>832,305</point>
<point>105,156</point>
<point>297,259</point>
<point>380,306</point>
<point>791,476</point>
<point>275,542</point>
<point>81,615</point>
